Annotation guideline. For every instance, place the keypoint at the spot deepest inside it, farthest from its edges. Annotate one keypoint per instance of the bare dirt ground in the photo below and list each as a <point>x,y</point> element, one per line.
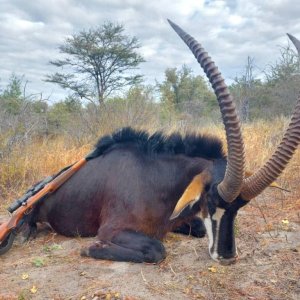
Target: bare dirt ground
<point>268,239</point>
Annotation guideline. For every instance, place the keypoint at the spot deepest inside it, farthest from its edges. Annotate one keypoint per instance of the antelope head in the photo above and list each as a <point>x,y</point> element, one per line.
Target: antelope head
<point>223,188</point>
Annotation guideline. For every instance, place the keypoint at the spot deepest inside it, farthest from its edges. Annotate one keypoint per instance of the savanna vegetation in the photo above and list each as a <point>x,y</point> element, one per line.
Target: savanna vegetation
<point>38,137</point>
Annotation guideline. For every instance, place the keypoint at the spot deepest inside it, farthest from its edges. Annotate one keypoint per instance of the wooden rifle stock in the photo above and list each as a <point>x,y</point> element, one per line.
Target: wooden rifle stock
<point>7,227</point>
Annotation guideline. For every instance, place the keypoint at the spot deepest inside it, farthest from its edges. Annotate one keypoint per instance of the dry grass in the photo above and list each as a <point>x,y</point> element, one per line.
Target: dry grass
<point>30,163</point>
<point>27,164</point>
<point>269,252</point>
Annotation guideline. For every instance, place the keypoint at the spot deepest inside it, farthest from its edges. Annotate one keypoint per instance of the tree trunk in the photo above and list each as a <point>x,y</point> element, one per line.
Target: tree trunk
<point>245,110</point>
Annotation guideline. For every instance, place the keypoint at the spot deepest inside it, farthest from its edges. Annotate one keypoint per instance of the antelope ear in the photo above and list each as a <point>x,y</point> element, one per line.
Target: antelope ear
<point>191,194</point>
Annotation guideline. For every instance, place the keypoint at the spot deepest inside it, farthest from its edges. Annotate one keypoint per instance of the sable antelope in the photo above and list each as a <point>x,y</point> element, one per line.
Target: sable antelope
<point>128,193</point>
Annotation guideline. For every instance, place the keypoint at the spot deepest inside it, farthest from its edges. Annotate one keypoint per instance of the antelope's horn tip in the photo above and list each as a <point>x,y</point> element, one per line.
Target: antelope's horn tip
<point>171,23</point>
<point>295,41</point>
<point>291,37</point>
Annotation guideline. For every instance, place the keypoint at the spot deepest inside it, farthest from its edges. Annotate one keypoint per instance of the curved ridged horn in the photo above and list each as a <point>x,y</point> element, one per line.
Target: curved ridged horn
<point>271,170</point>
<point>256,183</point>
<point>295,41</point>
<point>231,185</point>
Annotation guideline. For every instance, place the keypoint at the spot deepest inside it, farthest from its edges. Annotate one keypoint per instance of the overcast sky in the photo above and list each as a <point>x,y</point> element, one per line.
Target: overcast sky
<point>31,31</point>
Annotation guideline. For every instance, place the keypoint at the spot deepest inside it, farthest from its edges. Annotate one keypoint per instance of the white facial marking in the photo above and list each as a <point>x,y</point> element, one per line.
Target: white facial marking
<point>195,201</point>
<point>213,241</point>
<point>208,226</point>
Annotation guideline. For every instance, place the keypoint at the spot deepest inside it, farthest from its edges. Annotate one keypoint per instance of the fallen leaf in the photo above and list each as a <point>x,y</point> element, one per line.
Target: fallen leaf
<point>212,269</point>
<point>33,290</point>
<point>25,276</point>
<point>285,222</point>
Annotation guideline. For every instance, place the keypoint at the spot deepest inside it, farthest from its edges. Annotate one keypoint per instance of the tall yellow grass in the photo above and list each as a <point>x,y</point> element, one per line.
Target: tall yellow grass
<point>28,164</point>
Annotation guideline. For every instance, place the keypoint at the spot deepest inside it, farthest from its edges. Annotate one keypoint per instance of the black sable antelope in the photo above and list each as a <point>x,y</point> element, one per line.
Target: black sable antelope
<point>128,193</point>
